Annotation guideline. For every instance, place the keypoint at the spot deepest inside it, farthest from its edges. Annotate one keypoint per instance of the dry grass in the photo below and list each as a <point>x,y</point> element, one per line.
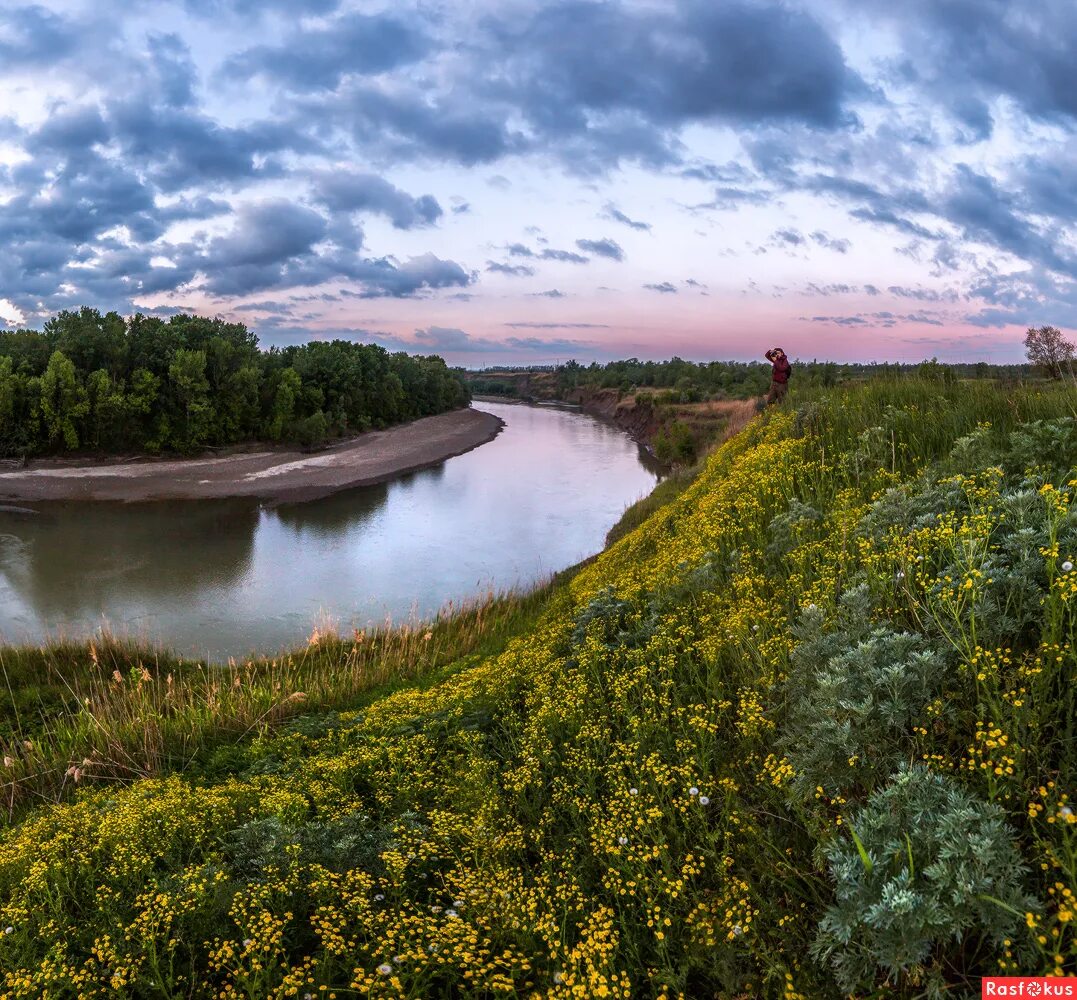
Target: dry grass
<point>109,711</point>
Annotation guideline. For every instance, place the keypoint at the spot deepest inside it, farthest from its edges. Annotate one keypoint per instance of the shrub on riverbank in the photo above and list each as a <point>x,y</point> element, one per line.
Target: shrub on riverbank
<point>698,773</point>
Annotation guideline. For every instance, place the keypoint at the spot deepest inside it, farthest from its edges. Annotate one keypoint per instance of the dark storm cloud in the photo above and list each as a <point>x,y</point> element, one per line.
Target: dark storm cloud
<point>831,243</point>
<point>923,294</point>
<point>513,270</point>
<point>254,8</point>
<point>689,61</point>
<point>180,148</point>
<point>593,84</point>
<point>883,318</point>
<point>874,204</point>
<point>602,248</point>
<point>271,245</point>
<point>835,288</point>
<point>340,191</point>
<point>886,217</point>
<point>456,341</point>
<point>199,207</point>
<point>565,256</point>
<point>84,197</point>
<point>731,198</point>
<point>33,36</point>
<point>547,346</point>
<point>401,123</point>
<point>613,212</point>
<point>68,130</point>
<point>966,51</point>
<point>386,278</point>
<point>988,213</point>
<point>266,234</point>
<point>171,64</point>
<point>318,58</point>
<point>787,238</point>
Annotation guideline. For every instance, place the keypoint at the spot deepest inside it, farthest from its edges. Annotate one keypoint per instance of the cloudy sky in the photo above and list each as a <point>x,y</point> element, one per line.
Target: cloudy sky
<point>530,182</point>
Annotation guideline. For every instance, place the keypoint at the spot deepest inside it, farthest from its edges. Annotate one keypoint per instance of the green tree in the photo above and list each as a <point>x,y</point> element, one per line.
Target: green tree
<point>190,389</point>
<point>146,422</point>
<point>104,424</point>
<point>62,401</point>
<point>289,387</point>
<point>9,382</point>
<point>91,340</point>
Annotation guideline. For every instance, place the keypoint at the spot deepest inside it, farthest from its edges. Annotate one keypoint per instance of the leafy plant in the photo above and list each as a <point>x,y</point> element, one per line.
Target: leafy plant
<point>926,864</point>
<point>852,712</point>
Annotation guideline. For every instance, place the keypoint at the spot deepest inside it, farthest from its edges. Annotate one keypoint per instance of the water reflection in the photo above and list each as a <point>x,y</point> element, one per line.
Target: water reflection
<point>221,578</point>
<point>341,512</point>
<point>73,558</point>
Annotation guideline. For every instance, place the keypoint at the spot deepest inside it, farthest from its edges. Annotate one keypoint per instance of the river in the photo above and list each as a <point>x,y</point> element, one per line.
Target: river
<point>228,578</point>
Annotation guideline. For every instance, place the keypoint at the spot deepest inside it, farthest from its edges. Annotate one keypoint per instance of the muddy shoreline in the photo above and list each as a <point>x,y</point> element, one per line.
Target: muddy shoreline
<point>269,474</point>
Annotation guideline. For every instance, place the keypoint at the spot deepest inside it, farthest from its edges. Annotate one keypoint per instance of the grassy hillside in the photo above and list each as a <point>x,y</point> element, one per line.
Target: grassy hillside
<point>807,731</point>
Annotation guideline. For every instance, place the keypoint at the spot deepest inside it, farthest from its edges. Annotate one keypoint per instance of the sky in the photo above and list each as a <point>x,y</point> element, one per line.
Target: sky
<point>526,183</point>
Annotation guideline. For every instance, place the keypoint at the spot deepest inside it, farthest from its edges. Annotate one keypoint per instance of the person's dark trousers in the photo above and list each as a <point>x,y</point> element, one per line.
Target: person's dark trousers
<point>777,392</point>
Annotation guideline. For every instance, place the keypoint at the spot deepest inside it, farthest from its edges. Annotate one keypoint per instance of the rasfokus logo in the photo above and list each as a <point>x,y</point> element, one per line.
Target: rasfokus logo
<point>1036,987</point>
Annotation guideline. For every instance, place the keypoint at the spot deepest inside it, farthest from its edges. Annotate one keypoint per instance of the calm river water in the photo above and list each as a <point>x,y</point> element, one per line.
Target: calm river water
<point>220,578</point>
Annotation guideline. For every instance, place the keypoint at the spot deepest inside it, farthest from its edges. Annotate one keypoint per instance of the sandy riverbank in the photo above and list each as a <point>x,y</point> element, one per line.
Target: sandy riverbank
<point>268,475</point>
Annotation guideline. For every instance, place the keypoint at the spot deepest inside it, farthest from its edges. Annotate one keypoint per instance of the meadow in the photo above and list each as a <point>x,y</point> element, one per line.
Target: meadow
<point>804,730</point>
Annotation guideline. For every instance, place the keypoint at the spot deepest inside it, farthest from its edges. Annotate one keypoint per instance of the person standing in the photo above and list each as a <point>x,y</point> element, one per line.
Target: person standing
<point>779,376</point>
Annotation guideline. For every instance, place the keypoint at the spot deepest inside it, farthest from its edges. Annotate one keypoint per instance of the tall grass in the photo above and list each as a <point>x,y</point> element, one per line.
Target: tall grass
<point>712,423</point>
<point>805,732</point>
<point>921,419</point>
<point>110,710</point>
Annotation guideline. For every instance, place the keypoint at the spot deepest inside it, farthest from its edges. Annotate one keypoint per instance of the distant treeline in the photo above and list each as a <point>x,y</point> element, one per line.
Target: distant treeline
<point>693,381</point>
<point>100,382</point>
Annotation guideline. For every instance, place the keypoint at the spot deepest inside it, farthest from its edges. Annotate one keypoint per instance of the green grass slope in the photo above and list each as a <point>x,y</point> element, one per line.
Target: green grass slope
<point>807,732</point>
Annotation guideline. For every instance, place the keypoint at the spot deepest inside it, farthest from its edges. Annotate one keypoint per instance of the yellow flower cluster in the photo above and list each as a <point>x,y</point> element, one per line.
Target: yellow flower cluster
<point>604,808</point>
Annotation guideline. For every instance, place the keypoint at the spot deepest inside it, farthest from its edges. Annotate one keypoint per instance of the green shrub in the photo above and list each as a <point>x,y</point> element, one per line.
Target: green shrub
<point>852,713</point>
<point>675,444</point>
<point>925,864</point>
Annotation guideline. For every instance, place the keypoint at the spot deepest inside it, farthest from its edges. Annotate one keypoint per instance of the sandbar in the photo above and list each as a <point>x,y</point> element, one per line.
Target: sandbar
<point>277,475</point>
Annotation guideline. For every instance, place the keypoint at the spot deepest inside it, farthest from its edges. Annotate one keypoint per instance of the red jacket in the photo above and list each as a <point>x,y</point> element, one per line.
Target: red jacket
<point>782,368</point>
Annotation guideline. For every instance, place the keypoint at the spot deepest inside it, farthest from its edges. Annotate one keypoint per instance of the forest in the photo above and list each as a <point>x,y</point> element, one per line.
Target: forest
<point>697,381</point>
<point>102,383</point>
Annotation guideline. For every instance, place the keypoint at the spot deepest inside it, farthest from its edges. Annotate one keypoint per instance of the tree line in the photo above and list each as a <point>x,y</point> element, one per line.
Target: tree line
<point>690,382</point>
<point>88,381</point>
